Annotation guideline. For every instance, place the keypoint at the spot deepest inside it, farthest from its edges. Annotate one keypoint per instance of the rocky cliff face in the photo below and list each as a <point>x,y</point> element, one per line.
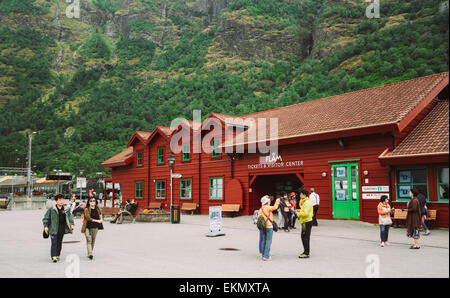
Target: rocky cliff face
<point>251,38</point>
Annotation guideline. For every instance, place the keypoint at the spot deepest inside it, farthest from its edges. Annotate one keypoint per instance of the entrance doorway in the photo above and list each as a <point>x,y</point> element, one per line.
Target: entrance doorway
<point>345,185</point>
<point>274,185</point>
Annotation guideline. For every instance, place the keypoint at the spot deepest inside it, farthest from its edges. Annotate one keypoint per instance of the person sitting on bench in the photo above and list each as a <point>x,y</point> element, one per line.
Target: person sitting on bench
<point>79,208</point>
<point>130,207</point>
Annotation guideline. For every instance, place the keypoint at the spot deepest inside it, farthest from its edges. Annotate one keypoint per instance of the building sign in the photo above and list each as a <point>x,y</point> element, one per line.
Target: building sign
<point>375,188</point>
<point>375,196</point>
<point>215,218</point>
<point>274,161</point>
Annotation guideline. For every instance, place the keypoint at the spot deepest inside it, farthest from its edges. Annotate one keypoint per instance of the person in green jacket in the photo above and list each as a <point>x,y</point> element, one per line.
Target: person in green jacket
<point>305,216</point>
<point>57,221</point>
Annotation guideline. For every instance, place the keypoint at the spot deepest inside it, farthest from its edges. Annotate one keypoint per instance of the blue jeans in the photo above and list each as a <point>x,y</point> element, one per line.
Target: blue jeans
<point>260,241</point>
<point>266,242</point>
<point>384,233</point>
<point>56,246</point>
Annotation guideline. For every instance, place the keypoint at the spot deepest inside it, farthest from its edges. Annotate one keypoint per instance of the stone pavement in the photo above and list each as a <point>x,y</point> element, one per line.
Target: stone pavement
<point>338,249</point>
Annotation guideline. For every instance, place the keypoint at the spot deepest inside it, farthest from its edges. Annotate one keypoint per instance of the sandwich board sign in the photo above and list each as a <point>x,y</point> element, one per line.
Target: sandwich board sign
<point>215,221</point>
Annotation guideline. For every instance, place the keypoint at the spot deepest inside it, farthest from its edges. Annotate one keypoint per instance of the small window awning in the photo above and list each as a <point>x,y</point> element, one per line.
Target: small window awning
<point>122,159</point>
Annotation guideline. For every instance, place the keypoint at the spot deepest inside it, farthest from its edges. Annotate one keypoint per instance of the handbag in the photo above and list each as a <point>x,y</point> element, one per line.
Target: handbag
<point>385,220</point>
<point>275,226</point>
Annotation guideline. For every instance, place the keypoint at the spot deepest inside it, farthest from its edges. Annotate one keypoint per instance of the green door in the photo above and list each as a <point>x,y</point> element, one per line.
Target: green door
<point>345,190</point>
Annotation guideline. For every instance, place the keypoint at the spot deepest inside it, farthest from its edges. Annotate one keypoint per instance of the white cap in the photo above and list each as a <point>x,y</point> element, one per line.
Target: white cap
<point>265,200</point>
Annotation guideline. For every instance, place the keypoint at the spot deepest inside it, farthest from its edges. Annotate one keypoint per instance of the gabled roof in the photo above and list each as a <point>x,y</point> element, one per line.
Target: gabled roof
<point>429,138</point>
<point>143,136</point>
<point>123,158</point>
<point>164,131</point>
<point>381,108</point>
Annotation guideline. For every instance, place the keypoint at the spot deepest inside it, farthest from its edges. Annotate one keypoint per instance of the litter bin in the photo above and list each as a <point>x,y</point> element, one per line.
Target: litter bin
<point>175,214</point>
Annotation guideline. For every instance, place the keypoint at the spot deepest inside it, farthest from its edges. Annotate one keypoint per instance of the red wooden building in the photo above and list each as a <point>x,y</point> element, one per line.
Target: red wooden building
<point>351,148</point>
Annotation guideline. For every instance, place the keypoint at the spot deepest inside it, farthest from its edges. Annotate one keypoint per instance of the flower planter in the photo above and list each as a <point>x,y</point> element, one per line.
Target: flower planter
<point>153,217</point>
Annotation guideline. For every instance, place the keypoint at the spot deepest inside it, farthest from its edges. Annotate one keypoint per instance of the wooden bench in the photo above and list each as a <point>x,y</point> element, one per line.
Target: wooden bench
<point>154,205</point>
<point>109,211</point>
<point>401,215</point>
<point>233,208</point>
<point>433,216</point>
<point>189,207</point>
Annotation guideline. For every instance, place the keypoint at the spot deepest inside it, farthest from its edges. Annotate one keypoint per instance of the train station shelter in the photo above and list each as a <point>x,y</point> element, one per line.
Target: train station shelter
<point>352,148</point>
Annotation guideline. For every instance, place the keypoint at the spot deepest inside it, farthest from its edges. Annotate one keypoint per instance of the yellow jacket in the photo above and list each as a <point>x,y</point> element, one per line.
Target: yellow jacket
<point>305,213</point>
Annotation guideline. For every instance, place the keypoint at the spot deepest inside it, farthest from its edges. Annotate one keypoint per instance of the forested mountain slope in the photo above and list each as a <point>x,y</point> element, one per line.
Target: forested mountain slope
<point>86,84</point>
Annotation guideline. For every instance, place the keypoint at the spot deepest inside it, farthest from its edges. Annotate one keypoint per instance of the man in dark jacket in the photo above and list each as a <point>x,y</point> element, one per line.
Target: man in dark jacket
<point>58,221</point>
<point>130,208</point>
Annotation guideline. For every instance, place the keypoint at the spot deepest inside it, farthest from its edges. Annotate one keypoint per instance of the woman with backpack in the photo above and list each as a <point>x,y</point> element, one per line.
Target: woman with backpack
<point>265,214</point>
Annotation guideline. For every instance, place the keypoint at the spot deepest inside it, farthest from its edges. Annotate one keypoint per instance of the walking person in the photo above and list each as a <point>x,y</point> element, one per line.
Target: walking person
<point>266,211</point>
<point>305,216</point>
<point>423,210</point>
<point>413,218</point>
<point>384,219</point>
<point>315,200</point>
<point>57,221</point>
<point>92,222</point>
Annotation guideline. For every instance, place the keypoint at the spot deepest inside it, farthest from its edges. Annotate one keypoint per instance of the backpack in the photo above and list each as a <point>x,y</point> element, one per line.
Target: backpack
<point>261,223</point>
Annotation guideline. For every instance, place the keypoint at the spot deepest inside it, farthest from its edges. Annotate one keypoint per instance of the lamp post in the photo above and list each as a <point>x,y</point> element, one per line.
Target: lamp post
<point>81,185</point>
<point>30,136</point>
<point>171,162</point>
<point>12,185</point>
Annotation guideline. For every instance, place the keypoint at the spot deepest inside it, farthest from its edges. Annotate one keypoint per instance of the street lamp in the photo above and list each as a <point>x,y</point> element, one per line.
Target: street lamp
<point>12,185</point>
<point>171,162</point>
<point>30,136</point>
<point>81,185</point>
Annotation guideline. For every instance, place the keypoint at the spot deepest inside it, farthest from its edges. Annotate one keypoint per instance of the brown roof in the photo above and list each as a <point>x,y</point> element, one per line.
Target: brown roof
<point>144,135</point>
<point>430,137</point>
<point>121,159</point>
<point>222,117</point>
<point>377,106</point>
<point>166,130</point>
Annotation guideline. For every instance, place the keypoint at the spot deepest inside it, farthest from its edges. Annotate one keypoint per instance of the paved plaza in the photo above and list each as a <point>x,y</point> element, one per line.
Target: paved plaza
<point>338,249</point>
